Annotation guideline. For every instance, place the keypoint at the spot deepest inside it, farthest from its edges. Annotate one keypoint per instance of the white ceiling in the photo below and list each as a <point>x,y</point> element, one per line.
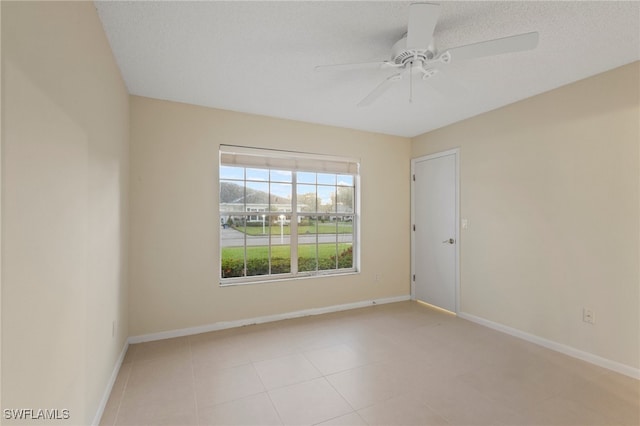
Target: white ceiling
<point>259,57</point>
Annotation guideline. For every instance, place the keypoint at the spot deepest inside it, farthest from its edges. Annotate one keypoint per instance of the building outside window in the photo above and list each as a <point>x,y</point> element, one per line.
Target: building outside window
<point>286,215</point>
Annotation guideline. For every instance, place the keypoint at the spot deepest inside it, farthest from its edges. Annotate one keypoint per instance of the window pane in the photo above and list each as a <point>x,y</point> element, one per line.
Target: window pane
<point>229,172</point>
<point>327,179</point>
<point>325,198</point>
<point>345,243</point>
<point>280,244</point>
<point>257,195</point>
<point>307,244</point>
<point>326,243</point>
<point>306,198</point>
<point>231,196</point>
<point>344,199</point>
<point>345,180</point>
<point>280,176</point>
<point>257,256</point>
<point>345,226</point>
<point>281,197</point>
<point>232,246</point>
<point>258,174</point>
<point>306,177</point>
<point>327,254</point>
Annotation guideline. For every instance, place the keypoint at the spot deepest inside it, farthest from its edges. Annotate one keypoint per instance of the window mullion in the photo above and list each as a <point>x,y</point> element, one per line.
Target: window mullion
<point>244,224</point>
<point>317,229</point>
<point>317,244</point>
<point>269,242</point>
<point>293,224</point>
<point>335,227</point>
<point>337,243</point>
<point>269,237</point>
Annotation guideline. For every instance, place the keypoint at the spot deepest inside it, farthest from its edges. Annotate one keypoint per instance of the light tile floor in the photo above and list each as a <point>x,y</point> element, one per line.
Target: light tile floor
<point>395,364</point>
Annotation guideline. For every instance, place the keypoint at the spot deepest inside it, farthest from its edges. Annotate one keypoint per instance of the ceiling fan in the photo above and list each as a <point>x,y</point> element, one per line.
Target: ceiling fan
<point>415,54</point>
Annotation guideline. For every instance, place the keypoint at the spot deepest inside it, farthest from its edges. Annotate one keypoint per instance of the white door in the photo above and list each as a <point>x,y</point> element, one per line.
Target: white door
<point>435,236</point>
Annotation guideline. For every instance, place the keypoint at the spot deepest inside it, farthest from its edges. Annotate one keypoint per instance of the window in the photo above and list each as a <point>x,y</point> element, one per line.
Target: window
<point>286,215</point>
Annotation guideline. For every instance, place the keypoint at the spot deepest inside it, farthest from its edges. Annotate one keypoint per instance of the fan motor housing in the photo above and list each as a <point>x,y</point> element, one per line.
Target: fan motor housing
<point>403,56</point>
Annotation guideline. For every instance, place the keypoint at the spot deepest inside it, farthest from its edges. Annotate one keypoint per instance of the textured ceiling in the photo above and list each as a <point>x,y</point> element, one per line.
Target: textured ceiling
<point>259,57</point>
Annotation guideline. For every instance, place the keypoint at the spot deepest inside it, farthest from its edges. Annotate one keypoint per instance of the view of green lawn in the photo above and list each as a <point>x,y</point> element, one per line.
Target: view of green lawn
<point>259,263</point>
<point>304,250</point>
<point>322,228</point>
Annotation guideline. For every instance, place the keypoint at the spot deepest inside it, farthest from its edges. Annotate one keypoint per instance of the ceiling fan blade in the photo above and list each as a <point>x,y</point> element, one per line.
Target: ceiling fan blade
<point>498,46</point>
<point>378,91</point>
<point>354,66</point>
<point>422,21</point>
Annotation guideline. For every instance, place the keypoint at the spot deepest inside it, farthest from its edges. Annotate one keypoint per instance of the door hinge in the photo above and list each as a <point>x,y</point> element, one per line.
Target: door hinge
<point>414,177</point>
<point>414,227</point>
<point>414,277</point>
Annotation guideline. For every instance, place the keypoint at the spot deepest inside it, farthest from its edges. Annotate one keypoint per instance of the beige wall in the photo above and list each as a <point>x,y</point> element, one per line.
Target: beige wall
<point>174,217</point>
<point>64,208</point>
<point>550,187</point>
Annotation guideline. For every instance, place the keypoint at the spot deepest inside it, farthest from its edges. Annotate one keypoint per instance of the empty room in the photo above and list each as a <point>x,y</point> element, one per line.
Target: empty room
<point>320,213</point>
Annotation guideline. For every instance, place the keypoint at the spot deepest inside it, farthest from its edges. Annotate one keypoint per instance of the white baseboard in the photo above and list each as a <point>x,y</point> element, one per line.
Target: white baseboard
<point>109,388</point>
<point>558,347</point>
<point>260,320</point>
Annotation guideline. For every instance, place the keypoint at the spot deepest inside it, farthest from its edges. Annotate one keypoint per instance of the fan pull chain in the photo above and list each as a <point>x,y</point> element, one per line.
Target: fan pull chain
<point>411,83</point>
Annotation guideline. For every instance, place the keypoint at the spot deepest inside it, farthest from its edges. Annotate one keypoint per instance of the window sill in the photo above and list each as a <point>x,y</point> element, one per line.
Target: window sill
<point>231,282</point>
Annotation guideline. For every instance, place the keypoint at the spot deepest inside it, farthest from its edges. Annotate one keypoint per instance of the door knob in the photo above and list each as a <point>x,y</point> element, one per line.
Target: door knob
<point>450,241</point>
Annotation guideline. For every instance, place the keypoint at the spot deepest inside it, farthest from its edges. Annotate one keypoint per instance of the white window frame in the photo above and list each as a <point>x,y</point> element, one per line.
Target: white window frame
<point>230,155</point>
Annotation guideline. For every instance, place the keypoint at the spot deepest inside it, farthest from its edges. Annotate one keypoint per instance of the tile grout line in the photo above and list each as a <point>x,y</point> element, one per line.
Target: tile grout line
<point>266,391</point>
<point>353,410</point>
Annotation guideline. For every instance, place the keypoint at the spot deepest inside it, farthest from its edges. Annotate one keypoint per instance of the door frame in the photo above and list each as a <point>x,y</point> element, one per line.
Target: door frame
<point>456,153</point>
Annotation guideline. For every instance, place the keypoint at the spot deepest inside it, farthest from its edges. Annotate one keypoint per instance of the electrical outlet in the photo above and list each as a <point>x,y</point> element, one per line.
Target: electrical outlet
<point>376,278</point>
<point>588,316</point>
